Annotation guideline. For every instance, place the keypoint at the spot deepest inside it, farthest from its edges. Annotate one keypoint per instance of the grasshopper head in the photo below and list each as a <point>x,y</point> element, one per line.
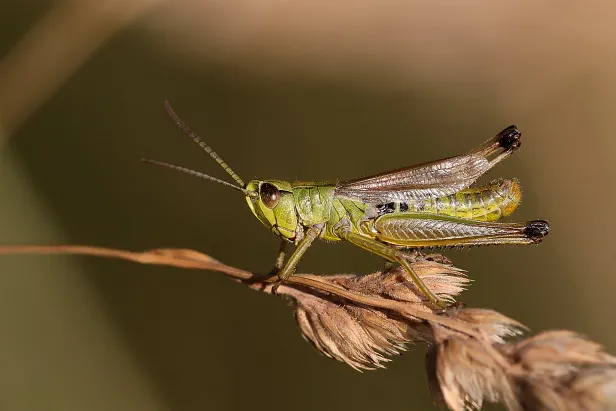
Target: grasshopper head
<point>272,202</point>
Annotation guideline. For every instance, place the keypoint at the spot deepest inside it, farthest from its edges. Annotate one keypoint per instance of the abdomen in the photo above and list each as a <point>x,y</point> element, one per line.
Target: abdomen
<point>491,202</point>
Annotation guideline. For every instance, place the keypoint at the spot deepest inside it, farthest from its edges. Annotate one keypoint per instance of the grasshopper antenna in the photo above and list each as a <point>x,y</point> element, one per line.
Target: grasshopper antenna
<point>178,122</point>
<point>194,173</point>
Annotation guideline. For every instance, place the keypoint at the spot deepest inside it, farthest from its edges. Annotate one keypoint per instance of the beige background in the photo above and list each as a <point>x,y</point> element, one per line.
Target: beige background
<point>285,89</point>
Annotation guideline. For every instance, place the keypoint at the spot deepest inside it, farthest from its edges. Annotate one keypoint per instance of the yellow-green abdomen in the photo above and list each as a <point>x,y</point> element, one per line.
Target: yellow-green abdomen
<point>498,199</point>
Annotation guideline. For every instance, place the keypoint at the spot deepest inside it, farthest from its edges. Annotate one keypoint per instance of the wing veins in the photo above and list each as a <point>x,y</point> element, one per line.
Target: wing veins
<point>436,178</point>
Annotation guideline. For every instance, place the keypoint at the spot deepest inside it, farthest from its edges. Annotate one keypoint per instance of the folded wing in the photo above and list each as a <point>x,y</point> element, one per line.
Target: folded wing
<point>433,179</point>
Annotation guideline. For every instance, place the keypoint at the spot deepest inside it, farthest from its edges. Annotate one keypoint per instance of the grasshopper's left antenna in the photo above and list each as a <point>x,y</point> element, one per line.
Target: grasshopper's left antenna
<point>194,173</point>
<point>178,122</point>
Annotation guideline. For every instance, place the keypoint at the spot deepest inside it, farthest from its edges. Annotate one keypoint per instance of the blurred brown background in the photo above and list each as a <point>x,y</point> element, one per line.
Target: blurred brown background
<point>285,89</point>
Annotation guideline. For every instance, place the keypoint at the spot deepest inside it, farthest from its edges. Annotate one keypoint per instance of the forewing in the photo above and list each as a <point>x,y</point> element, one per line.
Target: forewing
<point>433,179</point>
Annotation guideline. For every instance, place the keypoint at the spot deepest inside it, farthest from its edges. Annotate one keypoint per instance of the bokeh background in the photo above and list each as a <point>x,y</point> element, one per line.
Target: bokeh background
<point>292,90</point>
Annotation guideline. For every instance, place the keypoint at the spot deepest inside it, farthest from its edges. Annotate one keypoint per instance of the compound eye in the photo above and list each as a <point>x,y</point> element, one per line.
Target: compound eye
<point>269,195</point>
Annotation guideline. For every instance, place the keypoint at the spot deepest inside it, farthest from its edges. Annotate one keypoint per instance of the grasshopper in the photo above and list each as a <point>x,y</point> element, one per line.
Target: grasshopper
<point>394,214</point>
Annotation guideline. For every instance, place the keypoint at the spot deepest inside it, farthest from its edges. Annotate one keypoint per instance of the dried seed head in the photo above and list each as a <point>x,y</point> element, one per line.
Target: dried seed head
<point>495,325</point>
<point>561,370</point>
<point>592,389</point>
<point>363,336</point>
<point>550,354</point>
<point>444,280</point>
<point>360,337</point>
<point>462,371</point>
<point>552,371</point>
<point>464,375</point>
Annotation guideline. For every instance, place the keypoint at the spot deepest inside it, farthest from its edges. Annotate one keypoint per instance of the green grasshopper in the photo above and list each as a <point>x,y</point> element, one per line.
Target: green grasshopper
<point>393,214</point>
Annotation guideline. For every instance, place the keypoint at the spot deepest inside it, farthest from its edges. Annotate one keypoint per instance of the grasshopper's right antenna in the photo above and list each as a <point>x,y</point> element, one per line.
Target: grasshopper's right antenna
<point>178,122</point>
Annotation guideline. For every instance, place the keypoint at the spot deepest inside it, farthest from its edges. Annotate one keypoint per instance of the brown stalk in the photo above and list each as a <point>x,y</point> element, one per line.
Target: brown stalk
<point>364,319</point>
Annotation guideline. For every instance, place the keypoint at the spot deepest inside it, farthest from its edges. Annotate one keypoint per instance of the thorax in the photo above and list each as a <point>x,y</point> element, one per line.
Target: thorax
<point>313,201</point>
